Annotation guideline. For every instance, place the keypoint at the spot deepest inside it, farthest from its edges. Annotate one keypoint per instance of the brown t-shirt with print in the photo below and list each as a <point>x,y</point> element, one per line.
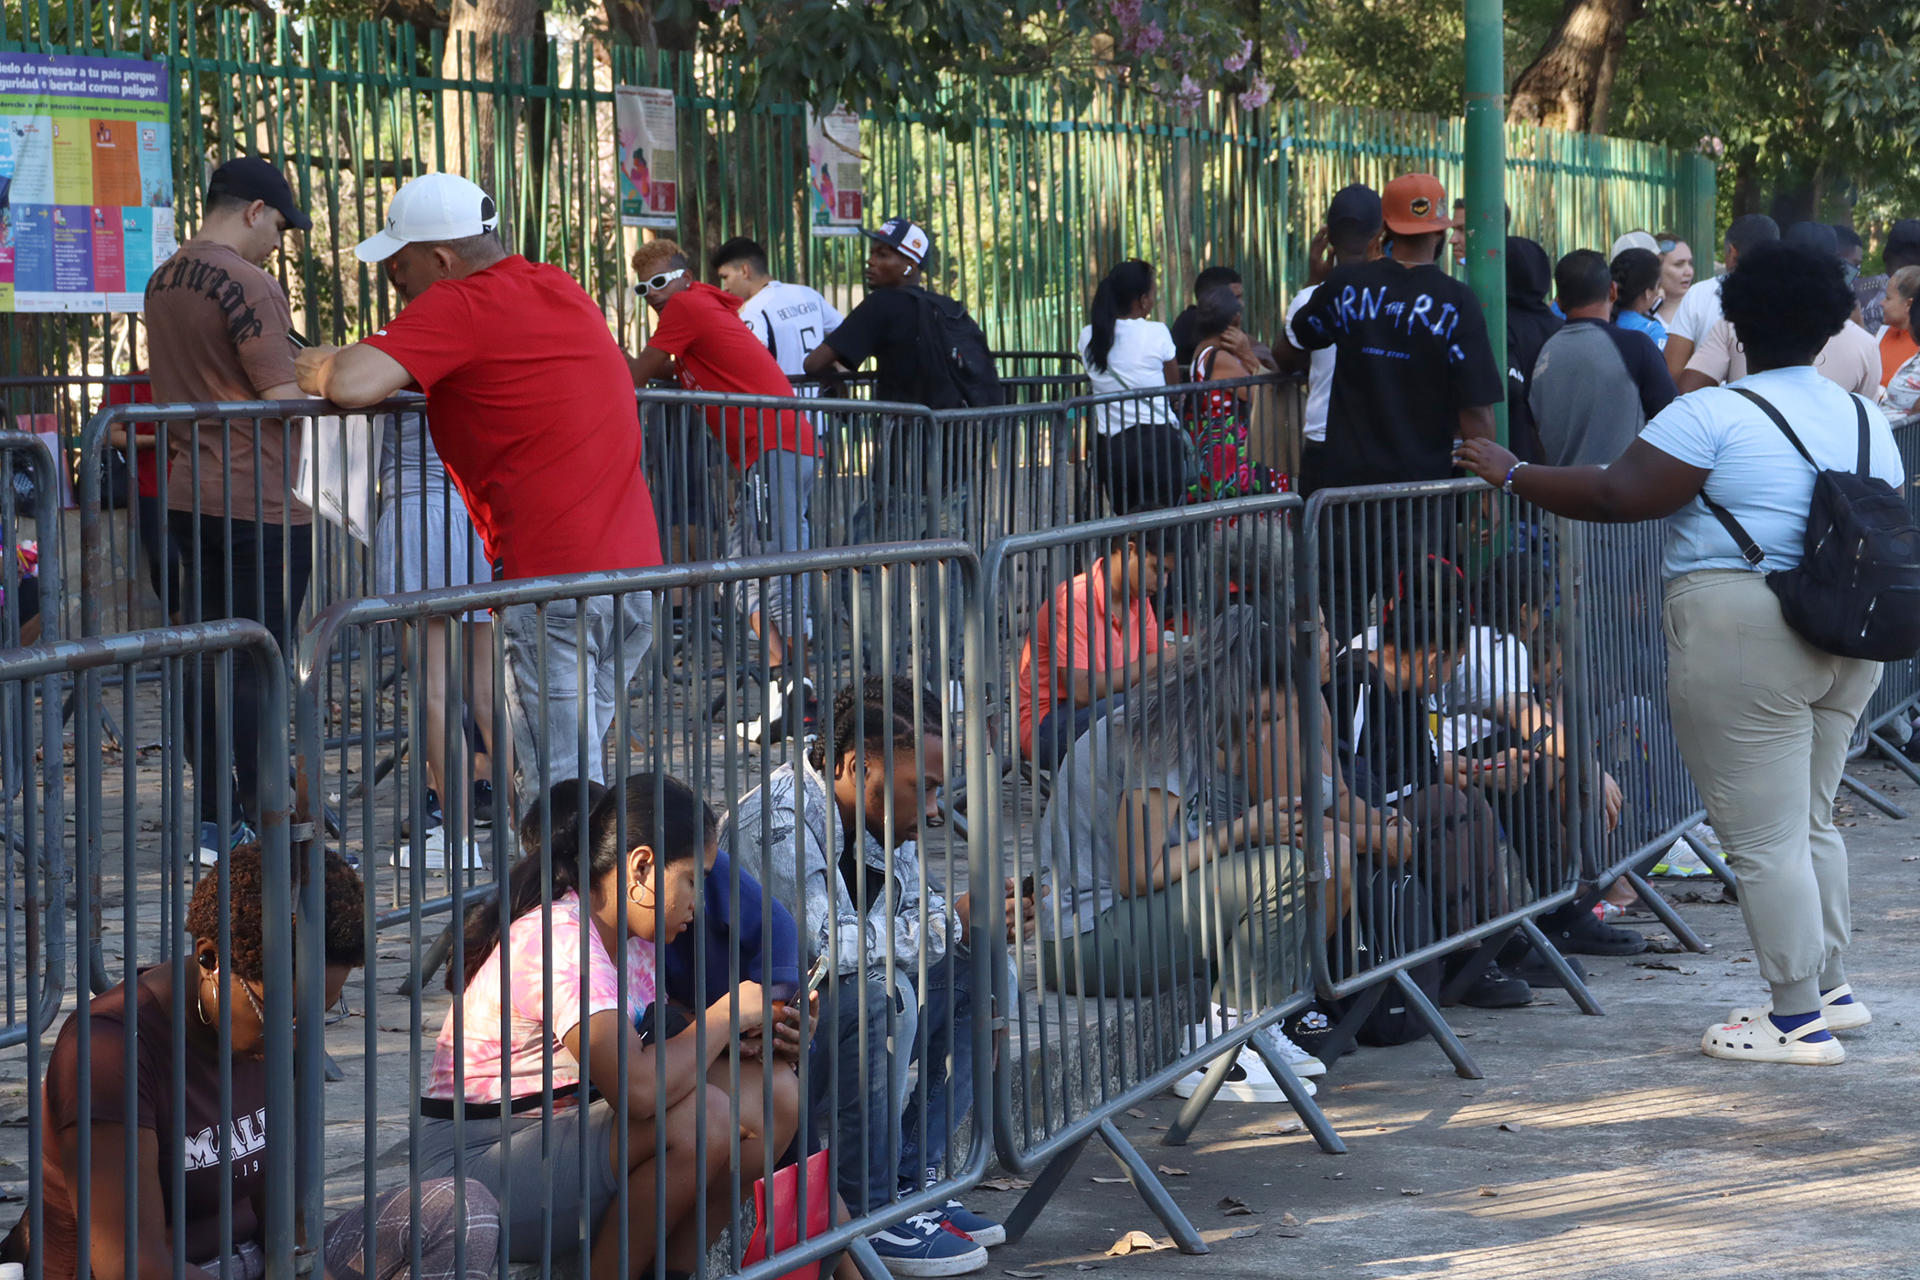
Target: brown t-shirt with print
<point>217,328</point>
<point>188,1139</point>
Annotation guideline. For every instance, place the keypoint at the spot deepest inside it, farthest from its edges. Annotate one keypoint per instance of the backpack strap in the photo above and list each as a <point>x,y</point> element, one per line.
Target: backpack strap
<point>1749,549</point>
<point>1864,468</point>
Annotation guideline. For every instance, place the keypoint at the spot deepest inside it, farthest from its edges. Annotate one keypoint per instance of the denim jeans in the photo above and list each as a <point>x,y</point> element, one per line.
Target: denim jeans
<point>859,1082</point>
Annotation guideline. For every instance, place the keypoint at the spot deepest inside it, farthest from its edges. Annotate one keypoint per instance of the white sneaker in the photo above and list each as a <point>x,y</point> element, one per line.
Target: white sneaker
<point>1763,1041</point>
<point>433,852</point>
<point>1302,1063</point>
<point>1248,1080</point>
<point>1849,1016</point>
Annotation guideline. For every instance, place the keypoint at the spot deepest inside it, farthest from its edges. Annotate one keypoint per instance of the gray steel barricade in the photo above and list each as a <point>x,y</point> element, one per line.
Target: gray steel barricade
<point>1456,715</point>
<point>907,966</point>
<point>219,1031</point>
<point>1621,588</point>
<point>1187,689</point>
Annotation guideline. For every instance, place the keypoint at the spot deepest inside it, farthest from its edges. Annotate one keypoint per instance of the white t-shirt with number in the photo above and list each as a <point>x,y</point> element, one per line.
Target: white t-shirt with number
<point>790,320</point>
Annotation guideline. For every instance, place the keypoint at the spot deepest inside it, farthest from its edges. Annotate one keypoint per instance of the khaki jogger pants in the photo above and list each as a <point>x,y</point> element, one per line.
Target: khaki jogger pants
<point>1764,720</point>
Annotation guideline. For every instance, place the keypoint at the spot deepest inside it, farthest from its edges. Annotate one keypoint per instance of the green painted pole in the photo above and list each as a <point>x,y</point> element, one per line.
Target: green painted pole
<point>1486,164</point>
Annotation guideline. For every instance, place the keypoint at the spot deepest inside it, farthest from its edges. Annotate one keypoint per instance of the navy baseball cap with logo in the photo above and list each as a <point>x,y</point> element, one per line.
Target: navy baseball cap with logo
<point>906,236</point>
<point>250,178</point>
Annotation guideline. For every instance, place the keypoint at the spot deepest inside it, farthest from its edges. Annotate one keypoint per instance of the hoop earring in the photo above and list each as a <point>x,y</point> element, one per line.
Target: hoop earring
<point>200,1003</point>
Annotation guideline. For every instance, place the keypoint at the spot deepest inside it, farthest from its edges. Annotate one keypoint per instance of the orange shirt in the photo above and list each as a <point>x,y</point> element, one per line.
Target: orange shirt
<point>1896,348</point>
<point>1082,608</point>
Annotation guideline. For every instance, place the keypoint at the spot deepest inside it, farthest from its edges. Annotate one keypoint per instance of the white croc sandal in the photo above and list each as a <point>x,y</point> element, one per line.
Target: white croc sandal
<point>1762,1041</point>
<point>1850,1016</point>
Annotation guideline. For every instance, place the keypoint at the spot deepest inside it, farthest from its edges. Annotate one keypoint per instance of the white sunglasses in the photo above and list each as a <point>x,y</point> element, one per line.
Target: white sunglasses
<point>659,282</point>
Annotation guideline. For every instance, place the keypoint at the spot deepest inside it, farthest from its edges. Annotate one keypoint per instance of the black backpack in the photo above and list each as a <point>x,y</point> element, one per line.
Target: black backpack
<point>1393,917</point>
<point>1856,592</point>
<point>962,374</point>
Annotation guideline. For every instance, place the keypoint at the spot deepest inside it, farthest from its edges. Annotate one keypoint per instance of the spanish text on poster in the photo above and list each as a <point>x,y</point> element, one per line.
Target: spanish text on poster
<point>833,172</point>
<point>648,160</point>
<point>86,181</point>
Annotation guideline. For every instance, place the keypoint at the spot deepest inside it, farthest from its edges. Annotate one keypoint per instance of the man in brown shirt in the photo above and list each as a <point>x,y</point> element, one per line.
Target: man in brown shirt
<point>218,328</point>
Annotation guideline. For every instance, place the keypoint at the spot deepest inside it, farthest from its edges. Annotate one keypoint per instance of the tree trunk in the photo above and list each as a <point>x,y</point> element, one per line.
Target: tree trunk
<point>486,40</point>
<point>1569,85</point>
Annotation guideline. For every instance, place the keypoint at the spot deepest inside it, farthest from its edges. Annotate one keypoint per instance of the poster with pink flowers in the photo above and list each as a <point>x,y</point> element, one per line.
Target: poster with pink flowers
<point>839,192</point>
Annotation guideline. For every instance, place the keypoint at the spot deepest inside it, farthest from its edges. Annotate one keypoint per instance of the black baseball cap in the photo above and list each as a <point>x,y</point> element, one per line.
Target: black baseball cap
<point>1358,204</point>
<point>251,178</point>
<point>1904,234</point>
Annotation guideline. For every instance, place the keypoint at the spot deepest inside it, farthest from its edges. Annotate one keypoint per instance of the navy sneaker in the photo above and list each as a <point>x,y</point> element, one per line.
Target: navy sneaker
<point>213,848</point>
<point>982,1231</point>
<point>924,1245</point>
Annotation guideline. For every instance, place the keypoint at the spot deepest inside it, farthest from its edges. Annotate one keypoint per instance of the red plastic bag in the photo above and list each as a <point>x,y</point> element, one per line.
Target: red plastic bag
<point>786,1212</point>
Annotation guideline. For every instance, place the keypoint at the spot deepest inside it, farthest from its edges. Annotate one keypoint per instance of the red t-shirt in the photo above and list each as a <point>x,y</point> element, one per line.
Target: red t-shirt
<point>146,448</point>
<point>530,402</point>
<point>1096,640</point>
<point>701,325</point>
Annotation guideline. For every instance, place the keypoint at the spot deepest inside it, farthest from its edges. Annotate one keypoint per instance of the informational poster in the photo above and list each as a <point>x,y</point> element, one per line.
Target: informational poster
<point>644,123</point>
<point>86,181</point>
<point>833,172</point>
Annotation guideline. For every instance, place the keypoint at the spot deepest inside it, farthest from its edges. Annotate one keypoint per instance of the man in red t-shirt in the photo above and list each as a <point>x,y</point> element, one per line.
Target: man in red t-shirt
<point>531,408</point>
<point>1097,638</point>
<point>700,338</point>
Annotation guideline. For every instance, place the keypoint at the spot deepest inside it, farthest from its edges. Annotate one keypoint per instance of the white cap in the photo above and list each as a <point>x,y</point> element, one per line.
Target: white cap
<point>431,208</point>
<point>1634,240</point>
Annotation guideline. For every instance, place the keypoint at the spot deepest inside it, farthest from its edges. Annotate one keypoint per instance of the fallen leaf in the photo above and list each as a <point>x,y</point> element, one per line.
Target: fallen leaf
<point>1488,1193</point>
<point>1288,1220</point>
<point>1229,1203</point>
<point>1283,1128</point>
<point>1171,1171</point>
<point>1656,964</point>
<point>1158,1128</point>
<point>1086,1266</point>
<point>1024,1275</point>
<point>1242,1233</point>
<point>1005,1184</point>
<point>1412,1191</point>
<point>1749,959</point>
<point>1133,1242</point>
<point>1136,1113</point>
<point>1239,1211</point>
<point>1109,1181</point>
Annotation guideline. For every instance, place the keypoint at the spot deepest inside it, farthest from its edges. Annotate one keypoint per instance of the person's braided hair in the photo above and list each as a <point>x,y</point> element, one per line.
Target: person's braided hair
<point>875,714</point>
<point>246,895</point>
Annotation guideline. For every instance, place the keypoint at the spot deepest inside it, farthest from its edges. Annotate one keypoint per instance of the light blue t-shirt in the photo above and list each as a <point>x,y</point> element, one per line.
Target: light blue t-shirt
<point>1645,324</point>
<point>1757,475</point>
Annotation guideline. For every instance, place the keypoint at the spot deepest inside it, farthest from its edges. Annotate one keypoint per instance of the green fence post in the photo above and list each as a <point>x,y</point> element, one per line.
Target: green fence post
<point>1699,209</point>
<point>1486,165</point>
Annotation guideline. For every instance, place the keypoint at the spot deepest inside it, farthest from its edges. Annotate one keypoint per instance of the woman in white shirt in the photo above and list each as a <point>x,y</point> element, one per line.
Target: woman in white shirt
<point>1139,452</point>
<point>1763,717</point>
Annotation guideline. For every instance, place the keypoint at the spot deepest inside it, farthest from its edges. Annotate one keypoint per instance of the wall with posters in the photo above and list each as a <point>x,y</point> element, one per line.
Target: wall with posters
<point>86,181</point>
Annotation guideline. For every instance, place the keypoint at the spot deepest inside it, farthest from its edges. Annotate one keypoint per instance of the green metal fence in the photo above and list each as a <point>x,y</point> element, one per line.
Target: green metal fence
<point>1026,212</point>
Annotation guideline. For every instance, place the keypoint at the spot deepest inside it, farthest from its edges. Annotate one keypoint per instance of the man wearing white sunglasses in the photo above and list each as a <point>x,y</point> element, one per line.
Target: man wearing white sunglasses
<point>531,407</point>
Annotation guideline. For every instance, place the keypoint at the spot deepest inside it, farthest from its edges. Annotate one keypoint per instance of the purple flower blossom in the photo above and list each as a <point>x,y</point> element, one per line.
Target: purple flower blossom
<point>1149,38</point>
<point>1296,47</point>
<point>1235,61</point>
<point>1257,94</point>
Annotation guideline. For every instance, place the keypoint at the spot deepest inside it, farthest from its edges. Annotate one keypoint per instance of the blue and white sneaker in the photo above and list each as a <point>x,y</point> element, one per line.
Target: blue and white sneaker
<point>982,1231</point>
<point>926,1245</point>
<point>213,848</point>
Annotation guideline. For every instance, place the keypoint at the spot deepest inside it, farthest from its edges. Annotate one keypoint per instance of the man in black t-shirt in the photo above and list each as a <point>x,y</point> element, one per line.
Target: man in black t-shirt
<point>886,324</point>
<point>1414,367</point>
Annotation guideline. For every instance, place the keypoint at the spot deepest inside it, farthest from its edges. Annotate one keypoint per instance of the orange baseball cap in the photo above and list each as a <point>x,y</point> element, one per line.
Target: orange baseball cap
<point>1415,204</point>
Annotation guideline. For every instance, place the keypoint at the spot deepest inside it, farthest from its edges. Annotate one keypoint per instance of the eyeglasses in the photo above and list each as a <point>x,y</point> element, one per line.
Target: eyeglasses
<point>659,282</point>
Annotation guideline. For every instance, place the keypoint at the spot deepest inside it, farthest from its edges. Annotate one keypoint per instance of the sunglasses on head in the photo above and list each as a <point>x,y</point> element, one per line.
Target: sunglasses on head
<point>1666,246</point>
<point>659,282</point>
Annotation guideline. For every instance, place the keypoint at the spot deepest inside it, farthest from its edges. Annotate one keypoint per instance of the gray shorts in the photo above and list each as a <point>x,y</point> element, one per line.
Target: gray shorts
<point>534,1173</point>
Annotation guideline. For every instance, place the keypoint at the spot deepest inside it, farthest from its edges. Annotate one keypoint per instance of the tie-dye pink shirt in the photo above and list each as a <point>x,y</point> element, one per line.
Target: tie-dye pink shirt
<point>523,1032</point>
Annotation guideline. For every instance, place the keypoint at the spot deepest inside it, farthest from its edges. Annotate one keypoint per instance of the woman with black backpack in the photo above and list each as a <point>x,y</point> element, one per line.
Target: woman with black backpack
<point>1774,630</point>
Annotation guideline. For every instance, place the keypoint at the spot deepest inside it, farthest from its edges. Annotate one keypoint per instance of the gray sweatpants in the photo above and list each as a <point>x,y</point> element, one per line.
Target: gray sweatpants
<point>1763,720</point>
<point>774,498</point>
<point>445,1219</point>
<point>568,669</point>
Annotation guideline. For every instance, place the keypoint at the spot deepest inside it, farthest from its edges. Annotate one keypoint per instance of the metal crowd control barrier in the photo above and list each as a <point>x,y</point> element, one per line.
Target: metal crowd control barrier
<point>866,747</point>
<point>237,1050</point>
<point>1621,589</point>
<point>1145,668</point>
<point>1454,732</point>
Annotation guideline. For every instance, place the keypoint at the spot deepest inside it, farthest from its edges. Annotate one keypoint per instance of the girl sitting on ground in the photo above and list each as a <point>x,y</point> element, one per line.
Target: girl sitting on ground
<point>627,890</point>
